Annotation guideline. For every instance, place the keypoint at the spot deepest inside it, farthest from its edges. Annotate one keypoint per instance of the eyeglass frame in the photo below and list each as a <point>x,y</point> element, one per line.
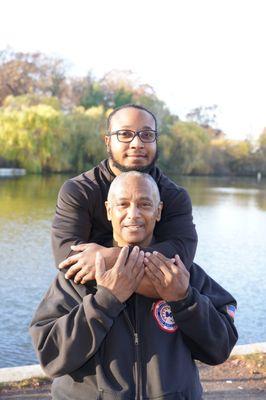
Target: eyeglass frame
<point>136,133</point>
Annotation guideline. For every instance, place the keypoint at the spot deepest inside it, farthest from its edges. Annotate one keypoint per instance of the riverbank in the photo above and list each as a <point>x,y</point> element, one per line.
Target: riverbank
<point>27,372</point>
<point>242,376</point>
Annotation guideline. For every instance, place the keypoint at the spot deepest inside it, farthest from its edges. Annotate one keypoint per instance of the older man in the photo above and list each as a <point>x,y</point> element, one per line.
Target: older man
<point>106,342</point>
<point>80,218</point>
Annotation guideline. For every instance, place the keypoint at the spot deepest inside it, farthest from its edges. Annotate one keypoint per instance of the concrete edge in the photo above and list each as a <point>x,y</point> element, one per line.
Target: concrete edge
<point>252,348</point>
<point>16,374</point>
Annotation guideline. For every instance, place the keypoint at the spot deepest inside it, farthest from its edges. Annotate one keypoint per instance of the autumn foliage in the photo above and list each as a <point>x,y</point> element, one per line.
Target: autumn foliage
<point>51,122</point>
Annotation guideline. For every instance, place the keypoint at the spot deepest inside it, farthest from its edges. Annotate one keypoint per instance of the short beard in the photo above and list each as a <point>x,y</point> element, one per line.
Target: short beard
<point>123,168</point>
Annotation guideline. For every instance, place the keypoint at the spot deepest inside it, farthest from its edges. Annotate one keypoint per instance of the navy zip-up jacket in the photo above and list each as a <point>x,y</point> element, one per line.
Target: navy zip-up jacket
<point>88,341</point>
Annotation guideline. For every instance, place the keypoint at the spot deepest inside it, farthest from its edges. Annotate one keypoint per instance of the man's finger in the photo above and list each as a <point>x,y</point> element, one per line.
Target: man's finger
<point>132,258</point>
<point>122,258</point>
<point>179,262</point>
<point>170,267</point>
<point>155,259</point>
<point>153,278</point>
<point>79,247</point>
<point>99,266</point>
<point>80,276</point>
<point>139,276</point>
<point>156,272</point>
<point>181,266</point>
<point>160,256</point>
<point>138,266</point>
<point>72,271</point>
<point>140,260</point>
<point>69,261</point>
<point>90,276</point>
<point>160,264</point>
<point>166,261</point>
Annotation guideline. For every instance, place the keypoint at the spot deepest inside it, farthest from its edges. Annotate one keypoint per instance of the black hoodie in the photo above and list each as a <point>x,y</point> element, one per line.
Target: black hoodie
<point>86,340</point>
<point>81,215</point>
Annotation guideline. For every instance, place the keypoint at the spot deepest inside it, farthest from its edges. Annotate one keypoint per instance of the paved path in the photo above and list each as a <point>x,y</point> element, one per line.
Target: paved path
<point>237,379</point>
<point>237,389</point>
<point>226,394</point>
<point>213,390</point>
<point>27,394</point>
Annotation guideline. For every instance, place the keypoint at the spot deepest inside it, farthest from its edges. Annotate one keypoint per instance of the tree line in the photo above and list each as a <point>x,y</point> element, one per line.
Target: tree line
<point>53,122</point>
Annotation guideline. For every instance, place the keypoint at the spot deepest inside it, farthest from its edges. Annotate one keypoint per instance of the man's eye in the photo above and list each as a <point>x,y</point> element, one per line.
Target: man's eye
<point>147,134</point>
<point>121,205</point>
<point>125,134</point>
<point>146,204</point>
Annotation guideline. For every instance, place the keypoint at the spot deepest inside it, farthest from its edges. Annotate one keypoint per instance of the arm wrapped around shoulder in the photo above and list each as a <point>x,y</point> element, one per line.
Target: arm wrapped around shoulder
<point>72,220</point>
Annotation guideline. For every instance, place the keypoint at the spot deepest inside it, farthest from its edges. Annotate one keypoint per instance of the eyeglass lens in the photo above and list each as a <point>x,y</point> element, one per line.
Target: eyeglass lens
<point>145,136</point>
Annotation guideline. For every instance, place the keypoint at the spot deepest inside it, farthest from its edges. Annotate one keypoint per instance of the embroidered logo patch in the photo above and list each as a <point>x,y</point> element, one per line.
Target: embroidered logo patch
<point>231,310</point>
<point>164,317</point>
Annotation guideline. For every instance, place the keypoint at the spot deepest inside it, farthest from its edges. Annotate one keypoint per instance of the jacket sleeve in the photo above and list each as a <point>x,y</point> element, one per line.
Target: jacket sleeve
<point>72,221</point>
<point>205,320</point>
<point>176,227</point>
<point>67,330</point>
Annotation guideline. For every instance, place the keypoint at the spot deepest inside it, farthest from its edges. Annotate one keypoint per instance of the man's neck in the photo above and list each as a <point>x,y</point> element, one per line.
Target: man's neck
<point>144,243</point>
<point>116,171</point>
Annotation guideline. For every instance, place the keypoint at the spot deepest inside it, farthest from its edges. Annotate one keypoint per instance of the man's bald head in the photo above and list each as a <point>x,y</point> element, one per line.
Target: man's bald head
<point>126,177</point>
<point>133,207</point>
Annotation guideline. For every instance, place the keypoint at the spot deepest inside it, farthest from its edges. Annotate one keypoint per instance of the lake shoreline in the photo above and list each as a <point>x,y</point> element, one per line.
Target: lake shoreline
<point>240,377</point>
<point>16,374</point>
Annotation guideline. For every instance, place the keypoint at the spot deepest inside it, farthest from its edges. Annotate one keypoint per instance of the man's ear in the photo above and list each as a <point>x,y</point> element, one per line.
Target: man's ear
<point>108,210</point>
<point>159,211</point>
<point>106,140</point>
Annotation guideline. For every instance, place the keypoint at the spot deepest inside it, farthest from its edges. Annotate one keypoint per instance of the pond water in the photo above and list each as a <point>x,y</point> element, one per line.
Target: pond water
<point>230,216</point>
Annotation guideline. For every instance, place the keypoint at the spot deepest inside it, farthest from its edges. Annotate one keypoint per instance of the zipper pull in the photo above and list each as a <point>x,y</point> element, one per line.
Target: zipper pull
<point>136,338</point>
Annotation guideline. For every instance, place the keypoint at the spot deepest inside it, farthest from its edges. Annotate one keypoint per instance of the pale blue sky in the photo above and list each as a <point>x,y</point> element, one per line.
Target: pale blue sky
<point>193,52</point>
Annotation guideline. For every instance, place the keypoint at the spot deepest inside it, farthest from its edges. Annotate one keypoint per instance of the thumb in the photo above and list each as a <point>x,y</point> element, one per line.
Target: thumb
<point>179,262</point>
<point>99,266</point>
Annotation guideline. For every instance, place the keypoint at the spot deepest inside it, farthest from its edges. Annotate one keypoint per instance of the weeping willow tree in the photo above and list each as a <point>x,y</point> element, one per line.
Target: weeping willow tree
<point>41,137</point>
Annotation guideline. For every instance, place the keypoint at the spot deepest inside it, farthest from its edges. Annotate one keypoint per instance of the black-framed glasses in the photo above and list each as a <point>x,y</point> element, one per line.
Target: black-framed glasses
<point>126,135</point>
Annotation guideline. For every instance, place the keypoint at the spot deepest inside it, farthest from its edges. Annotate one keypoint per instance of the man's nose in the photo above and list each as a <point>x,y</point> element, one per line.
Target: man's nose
<point>133,211</point>
<point>136,142</point>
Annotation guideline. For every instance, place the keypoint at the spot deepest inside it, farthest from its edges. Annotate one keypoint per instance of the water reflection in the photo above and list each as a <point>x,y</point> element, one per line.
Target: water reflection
<point>210,190</point>
<point>29,195</point>
<point>231,222</point>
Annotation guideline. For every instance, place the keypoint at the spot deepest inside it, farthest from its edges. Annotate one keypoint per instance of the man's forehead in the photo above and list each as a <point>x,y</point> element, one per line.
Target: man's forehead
<point>140,189</point>
<point>127,116</point>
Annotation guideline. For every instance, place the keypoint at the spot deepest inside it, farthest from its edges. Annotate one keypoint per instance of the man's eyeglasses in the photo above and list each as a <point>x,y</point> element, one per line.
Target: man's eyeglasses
<point>126,135</point>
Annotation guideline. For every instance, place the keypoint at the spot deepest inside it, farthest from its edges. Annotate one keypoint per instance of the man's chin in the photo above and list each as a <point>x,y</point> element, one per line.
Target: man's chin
<point>133,242</point>
<point>133,167</point>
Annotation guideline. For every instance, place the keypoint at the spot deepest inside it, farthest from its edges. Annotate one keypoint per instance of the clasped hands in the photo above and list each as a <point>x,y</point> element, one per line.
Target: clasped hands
<point>169,277</point>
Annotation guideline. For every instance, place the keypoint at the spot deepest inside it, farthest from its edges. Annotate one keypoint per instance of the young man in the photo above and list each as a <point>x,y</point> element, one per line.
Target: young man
<point>107,342</point>
<point>80,216</point>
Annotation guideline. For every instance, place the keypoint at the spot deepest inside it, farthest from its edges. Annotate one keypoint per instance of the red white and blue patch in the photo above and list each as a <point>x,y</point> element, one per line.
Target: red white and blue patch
<point>164,317</point>
<point>231,310</point>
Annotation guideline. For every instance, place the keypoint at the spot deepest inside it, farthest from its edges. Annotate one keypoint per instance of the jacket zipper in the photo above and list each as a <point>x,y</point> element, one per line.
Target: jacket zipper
<point>136,342</point>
